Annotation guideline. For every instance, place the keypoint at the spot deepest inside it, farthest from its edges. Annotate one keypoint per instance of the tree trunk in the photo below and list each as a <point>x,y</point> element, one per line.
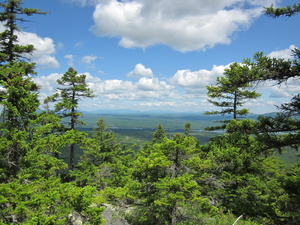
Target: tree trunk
<point>72,146</point>
<point>235,105</point>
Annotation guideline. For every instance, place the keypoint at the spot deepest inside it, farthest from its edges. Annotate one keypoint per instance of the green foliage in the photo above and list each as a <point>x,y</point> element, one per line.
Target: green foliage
<point>47,201</point>
<point>72,89</point>
<point>290,204</point>
<point>164,183</point>
<point>104,162</point>
<point>287,11</point>
<point>13,13</point>
<point>194,218</point>
<point>283,130</point>
<point>231,91</point>
<point>19,99</point>
<point>265,68</point>
<point>245,177</point>
<point>159,135</point>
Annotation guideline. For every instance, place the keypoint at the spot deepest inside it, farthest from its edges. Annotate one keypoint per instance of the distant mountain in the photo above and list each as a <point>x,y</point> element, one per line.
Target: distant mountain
<point>151,119</point>
<point>151,112</point>
<point>164,112</point>
<point>112,111</point>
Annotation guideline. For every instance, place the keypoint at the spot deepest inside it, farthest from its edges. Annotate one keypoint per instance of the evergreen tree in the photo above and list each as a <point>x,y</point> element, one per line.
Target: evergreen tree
<point>105,161</point>
<point>290,205</point>
<point>159,135</point>
<point>284,129</point>
<point>187,129</point>
<point>72,88</point>
<point>231,91</point>
<point>164,182</point>
<point>242,177</point>
<point>48,201</point>
<point>13,13</point>
<point>31,192</point>
<point>19,98</point>
<point>283,11</point>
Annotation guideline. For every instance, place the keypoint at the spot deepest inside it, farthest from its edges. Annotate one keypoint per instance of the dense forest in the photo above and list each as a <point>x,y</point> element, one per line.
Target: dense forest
<point>234,178</point>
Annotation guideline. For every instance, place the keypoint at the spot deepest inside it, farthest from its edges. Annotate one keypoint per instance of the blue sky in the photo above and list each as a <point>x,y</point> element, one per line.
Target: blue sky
<point>156,54</point>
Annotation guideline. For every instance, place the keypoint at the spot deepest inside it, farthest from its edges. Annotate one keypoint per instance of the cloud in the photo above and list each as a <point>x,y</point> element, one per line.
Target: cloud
<point>152,84</point>
<point>158,104</point>
<point>44,54</point>
<point>82,2</point>
<point>185,91</point>
<point>140,71</point>
<point>48,83</point>
<point>79,44</point>
<point>287,90</point>
<point>166,105</point>
<point>88,60</point>
<point>197,80</point>
<point>283,54</point>
<point>45,49</point>
<point>183,25</point>
<point>276,92</point>
<point>144,89</point>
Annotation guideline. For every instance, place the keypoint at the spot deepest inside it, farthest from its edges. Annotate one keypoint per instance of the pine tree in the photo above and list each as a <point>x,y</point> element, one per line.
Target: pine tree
<point>72,88</point>
<point>231,91</point>
<point>287,11</point>
<point>283,129</point>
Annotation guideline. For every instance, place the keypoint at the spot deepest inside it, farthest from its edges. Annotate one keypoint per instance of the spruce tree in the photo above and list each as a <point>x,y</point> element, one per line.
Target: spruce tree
<point>159,135</point>
<point>164,181</point>
<point>19,98</point>
<point>31,193</point>
<point>105,161</point>
<point>11,15</point>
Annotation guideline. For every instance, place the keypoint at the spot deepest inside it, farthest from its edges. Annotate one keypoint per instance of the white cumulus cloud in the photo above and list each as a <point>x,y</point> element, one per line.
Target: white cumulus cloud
<point>44,54</point>
<point>88,59</point>
<point>283,54</point>
<point>140,71</point>
<point>197,79</point>
<point>45,49</point>
<point>183,25</point>
<point>48,83</point>
<point>152,84</point>
<point>277,92</point>
<point>114,89</point>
